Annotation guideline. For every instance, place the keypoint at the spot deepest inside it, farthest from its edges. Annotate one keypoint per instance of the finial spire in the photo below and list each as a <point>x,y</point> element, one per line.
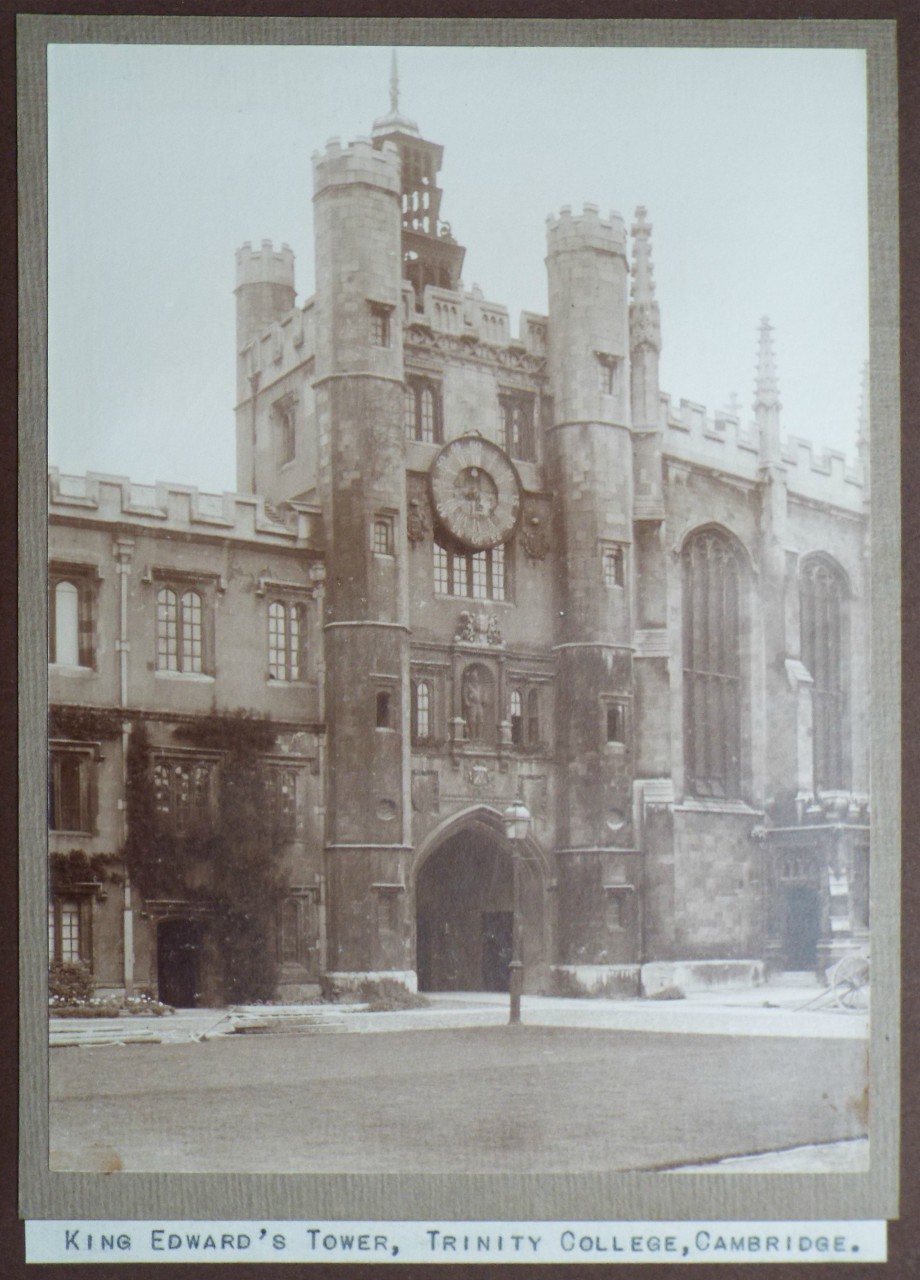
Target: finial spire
<point>394,121</point>
<point>766,397</point>
<point>766,391</point>
<point>862,436</point>
<point>644,316</point>
<point>394,84</point>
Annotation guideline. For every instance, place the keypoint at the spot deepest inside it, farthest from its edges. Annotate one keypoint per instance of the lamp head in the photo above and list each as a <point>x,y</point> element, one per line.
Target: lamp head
<point>517,821</point>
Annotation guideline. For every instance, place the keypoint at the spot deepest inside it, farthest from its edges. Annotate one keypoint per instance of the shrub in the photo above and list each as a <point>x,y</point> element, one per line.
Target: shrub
<point>70,983</point>
<point>385,995</point>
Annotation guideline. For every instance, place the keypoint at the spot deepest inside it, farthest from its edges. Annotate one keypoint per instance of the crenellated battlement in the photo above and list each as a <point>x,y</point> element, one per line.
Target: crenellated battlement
<point>361,162</point>
<point>722,441</point>
<point>281,346</point>
<point>266,265</point>
<point>177,508</point>
<point>469,315</point>
<point>585,230</point>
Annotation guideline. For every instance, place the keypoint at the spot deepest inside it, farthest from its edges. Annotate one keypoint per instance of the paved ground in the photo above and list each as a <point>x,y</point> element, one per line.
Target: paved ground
<point>770,1010</point>
<point>470,1098</point>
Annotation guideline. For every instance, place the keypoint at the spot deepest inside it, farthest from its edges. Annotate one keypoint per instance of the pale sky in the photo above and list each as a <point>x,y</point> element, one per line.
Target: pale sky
<point>163,160</point>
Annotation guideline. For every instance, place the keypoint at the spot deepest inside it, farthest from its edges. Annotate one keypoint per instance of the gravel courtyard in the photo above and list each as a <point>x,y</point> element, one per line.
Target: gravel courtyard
<point>475,1099</point>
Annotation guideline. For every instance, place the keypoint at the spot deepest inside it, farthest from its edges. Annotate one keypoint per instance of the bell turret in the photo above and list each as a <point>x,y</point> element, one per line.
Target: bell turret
<point>431,255</point>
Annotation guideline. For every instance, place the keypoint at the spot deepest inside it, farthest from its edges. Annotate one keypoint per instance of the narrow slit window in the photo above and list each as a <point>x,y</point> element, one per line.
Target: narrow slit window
<point>517,718</point>
<point>616,723</point>
<point>383,709</point>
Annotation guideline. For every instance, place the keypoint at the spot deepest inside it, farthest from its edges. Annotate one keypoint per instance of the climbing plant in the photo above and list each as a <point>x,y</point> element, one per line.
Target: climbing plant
<point>234,866</point>
<point>83,724</point>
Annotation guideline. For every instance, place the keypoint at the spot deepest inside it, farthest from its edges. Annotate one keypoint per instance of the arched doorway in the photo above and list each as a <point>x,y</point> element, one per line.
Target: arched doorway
<point>464,911</point>
<point>179,962</point>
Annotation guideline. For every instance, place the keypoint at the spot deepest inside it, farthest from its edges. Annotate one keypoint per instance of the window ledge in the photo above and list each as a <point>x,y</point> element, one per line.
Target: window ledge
<point>273,682</point>
<point>65,669</point>
<point>695,805</point>
<point>191,677</point>
<point>445,595</point>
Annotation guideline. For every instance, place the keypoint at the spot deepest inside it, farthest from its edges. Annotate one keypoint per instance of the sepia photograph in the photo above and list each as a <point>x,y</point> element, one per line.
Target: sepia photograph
<point>462,613</point>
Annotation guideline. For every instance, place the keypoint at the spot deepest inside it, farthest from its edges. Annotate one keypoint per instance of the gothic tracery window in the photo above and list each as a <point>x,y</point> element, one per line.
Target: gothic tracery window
<point>712,666</point>
<point>821,612</point>
<point>183,795</point>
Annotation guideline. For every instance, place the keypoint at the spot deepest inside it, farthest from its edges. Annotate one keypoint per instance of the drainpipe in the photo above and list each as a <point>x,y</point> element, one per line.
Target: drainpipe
<point>124,552</point>
<point>254,379</point>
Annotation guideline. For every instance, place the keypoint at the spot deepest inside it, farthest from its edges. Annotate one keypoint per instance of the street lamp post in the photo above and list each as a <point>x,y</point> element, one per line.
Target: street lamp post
<point>517,826</point>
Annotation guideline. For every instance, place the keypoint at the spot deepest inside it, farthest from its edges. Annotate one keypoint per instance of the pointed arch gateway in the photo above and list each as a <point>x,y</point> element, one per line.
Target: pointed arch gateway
<point>463,880</point>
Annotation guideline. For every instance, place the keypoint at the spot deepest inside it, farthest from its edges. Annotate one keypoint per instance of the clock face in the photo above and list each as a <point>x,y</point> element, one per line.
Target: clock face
<point>476,492</point>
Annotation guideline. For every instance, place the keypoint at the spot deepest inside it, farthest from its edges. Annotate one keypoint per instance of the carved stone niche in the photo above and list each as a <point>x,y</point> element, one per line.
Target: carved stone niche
<point>418,510</point>
<point>483,630</point>
<point>477,704</point>
<point>535,531</point>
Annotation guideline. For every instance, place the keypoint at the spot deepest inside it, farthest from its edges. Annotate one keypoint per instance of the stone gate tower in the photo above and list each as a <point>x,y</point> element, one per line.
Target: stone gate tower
<point>589,450</point>
<point>361,455</point>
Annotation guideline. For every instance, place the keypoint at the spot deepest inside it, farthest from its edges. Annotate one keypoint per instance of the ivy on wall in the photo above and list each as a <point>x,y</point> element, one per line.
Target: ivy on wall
<point>235,866</point>
<point>76,868</point>
<point>84,724</point>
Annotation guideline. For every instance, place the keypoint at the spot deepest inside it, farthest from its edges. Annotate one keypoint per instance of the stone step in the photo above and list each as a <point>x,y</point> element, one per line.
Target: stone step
<point>69,1038</point>
<point>285,1025</point>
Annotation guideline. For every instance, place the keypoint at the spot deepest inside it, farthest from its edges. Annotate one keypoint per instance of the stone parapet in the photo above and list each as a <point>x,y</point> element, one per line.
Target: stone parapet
<point>361,162</point>
<point>279,347</point>
<point>266,265</point>
<point>586,230</point>
<point>175,508</point>
<point>723,442</point>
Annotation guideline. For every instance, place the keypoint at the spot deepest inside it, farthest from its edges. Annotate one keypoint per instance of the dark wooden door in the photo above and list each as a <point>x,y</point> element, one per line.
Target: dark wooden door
<point>178,962</point>
<point>496,950</point>
<point>802,926</point>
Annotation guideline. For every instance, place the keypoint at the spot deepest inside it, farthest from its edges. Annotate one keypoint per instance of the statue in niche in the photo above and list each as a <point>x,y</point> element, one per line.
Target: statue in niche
<point>473,704</point>
<point>534,539</point>
<point>493,630</point>
<point>466,631</point>
<point>417,521</point>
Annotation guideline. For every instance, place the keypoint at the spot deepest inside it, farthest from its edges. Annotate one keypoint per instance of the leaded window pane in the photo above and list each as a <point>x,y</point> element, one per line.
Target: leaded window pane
<point>426,415</point>
<point>66,624</point>
<point>70,932</point>
<point>191,647</point>
<point>497,555</point>
<point>480,576</point>
<point>277,641</point>
<point>167,630</point>
<point>821,612</point>
<point>441,576</point>
<point>422,710</point>
<point>712,666</point>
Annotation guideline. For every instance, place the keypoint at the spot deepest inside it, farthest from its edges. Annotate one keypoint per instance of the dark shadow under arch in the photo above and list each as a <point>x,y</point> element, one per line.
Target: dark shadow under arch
<point>464,901</point>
